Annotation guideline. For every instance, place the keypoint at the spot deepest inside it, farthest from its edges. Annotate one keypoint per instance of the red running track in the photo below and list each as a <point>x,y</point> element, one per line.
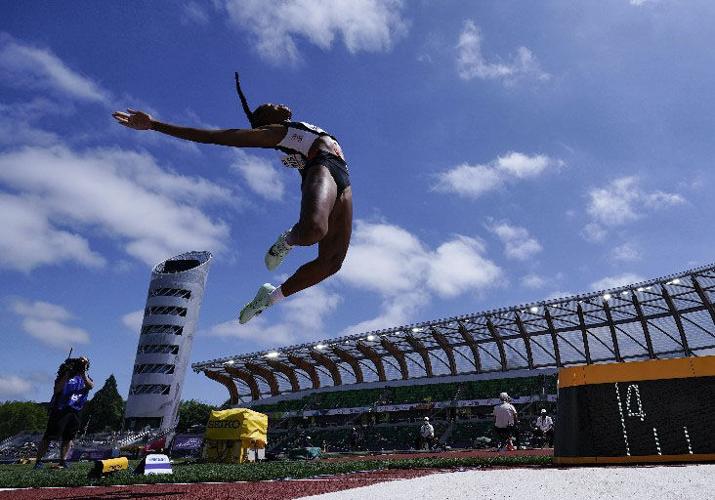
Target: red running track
<point>264,490</point>
<point>536,452</point>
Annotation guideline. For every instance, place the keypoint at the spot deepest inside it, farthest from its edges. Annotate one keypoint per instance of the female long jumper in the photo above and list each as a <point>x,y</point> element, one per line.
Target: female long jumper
<point>326,203</point>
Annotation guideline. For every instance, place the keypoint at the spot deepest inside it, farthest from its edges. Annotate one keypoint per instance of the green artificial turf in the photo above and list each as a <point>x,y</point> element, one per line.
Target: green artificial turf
<point>22,476</point>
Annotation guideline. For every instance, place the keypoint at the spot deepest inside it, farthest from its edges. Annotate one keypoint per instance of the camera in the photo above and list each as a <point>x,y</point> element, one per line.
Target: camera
<point>74,366</point>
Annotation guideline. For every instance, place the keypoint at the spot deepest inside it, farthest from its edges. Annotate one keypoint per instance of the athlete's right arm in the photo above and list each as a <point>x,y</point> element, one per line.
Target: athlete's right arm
<point>262,137</point>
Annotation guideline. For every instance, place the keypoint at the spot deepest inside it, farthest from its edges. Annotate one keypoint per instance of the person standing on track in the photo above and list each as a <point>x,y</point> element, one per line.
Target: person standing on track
<point>326,201</point>
<point>544,429</point>
<point>505,420</point>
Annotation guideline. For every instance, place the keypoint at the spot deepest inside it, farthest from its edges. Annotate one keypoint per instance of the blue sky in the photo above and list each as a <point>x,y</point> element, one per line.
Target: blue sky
<point>500,152</point>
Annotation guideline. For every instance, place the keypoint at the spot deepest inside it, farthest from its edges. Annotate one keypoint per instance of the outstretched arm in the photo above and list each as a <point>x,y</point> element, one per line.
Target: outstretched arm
<point>263,137</point>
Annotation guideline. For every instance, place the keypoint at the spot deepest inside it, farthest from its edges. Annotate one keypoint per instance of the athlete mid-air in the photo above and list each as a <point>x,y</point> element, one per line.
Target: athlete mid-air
<point>326,201</point>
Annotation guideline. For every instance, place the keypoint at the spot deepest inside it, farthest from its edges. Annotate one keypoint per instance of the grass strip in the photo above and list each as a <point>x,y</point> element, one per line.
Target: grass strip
<point>23,476</point>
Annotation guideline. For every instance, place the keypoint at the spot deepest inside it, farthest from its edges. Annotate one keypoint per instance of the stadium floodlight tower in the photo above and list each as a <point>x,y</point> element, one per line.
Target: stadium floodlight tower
<point>170,318</point>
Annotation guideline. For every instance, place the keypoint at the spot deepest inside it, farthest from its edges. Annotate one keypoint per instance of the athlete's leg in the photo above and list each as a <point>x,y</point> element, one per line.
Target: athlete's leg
<point>323,219</point>
<point>319,192</point>
<point>332,249</point>
<point>318,198</point>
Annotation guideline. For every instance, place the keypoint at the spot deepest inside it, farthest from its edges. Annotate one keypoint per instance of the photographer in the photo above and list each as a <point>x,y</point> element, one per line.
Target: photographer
<point>70,394</point>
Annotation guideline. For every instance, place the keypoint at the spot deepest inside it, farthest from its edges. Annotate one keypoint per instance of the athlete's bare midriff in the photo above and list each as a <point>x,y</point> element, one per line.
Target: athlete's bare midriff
<point>326,144</point>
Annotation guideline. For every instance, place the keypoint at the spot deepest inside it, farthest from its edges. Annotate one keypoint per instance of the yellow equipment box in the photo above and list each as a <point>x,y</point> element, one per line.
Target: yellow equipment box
<point>230,434</point>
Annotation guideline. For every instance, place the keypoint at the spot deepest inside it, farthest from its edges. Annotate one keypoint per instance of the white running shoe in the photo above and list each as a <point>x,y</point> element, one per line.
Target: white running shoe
<point>259,303</point>
<point>277,252</point>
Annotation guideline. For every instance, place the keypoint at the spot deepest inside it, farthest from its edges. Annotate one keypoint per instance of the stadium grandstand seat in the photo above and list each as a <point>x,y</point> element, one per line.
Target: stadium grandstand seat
<point>424,393</point>
<point>347,399</point>
<point>398,428</point>
<point>516,387</point>
<point>281,406</point>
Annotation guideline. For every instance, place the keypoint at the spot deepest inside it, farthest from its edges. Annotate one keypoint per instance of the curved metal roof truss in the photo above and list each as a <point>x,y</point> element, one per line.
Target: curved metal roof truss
<point>664,317</point>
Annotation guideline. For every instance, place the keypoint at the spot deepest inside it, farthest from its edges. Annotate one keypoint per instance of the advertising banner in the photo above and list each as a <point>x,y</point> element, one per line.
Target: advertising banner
<point>237,424</point>
<point>187,442</point>
<point>90,454</point>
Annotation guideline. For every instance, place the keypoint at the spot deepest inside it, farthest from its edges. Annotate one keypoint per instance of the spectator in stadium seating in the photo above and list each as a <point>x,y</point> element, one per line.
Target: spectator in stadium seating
<point>544,429</point>
<point>505,420</point>
<point>70,394</point>
<point>426,434</point>
<point>354,439</point>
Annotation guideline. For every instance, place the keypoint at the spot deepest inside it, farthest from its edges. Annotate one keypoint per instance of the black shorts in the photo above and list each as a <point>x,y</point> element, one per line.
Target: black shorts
<point>336,166</point>
<point>504,433</point>
<point>62,424</point>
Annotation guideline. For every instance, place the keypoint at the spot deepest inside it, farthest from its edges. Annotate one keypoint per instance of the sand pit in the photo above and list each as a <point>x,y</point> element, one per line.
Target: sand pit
<point>690,482</point>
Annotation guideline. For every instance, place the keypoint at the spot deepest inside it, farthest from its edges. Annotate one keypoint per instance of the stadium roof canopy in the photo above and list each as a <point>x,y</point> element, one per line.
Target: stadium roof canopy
<point>664,317</point>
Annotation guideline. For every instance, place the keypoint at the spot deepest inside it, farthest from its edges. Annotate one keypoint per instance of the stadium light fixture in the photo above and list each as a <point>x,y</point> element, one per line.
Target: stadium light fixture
<point>272,354</point>
<point>370,338</point>
<point>625,292</point>
<point>320,347</point>
<point>640,289</point>
<point>533,309</point>
<point>416,330</point>
<point>606,296</point>
<point>229,362</point>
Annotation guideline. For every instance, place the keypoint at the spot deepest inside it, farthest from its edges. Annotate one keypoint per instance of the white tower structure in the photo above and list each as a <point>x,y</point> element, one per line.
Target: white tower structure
<point>170,318</point>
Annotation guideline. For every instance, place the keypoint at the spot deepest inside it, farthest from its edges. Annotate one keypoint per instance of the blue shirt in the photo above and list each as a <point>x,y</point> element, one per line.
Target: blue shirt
<point>74,394</point>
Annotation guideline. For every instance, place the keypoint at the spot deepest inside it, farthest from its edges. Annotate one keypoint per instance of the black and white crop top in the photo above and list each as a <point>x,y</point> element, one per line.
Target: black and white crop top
<point>297,142</point>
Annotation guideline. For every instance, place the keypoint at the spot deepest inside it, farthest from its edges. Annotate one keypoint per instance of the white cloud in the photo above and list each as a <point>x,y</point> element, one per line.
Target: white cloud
<point>29,240</point>
<point>471,181</point>
<point>308,308</point>
<point>259,332</point>
<point>398,310</point>
<point>621,202</point>
<point>194,13</point>
<point>391,261</point>
<point>133,320</point>
<point>614,205</point>
<point>659,199</point>
<point>594,232</point>
<point>471,62</point>
<point>363,25</point>
<point>260,175</point>
<point>627,252</point>
<point>108,192</point>
<point>518,244</point>
<point>12,386</point>
<point>16,122</point>
<point>47,323</point>
<point>459,265</point>
<point>300,319</point>
<point>533,281</point>
<point>24,66</point>
<point>384,258</point>
<point>616,281</point>
<point>522,166</point>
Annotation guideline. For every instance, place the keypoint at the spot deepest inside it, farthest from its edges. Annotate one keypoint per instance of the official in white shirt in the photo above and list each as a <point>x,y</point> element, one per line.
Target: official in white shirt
<point>505,420</point>
<point>426,434</point>
<point>544,430</point>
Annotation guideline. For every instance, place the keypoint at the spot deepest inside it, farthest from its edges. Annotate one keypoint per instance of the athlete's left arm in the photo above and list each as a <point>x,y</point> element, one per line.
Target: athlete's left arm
<point>262,137</point>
